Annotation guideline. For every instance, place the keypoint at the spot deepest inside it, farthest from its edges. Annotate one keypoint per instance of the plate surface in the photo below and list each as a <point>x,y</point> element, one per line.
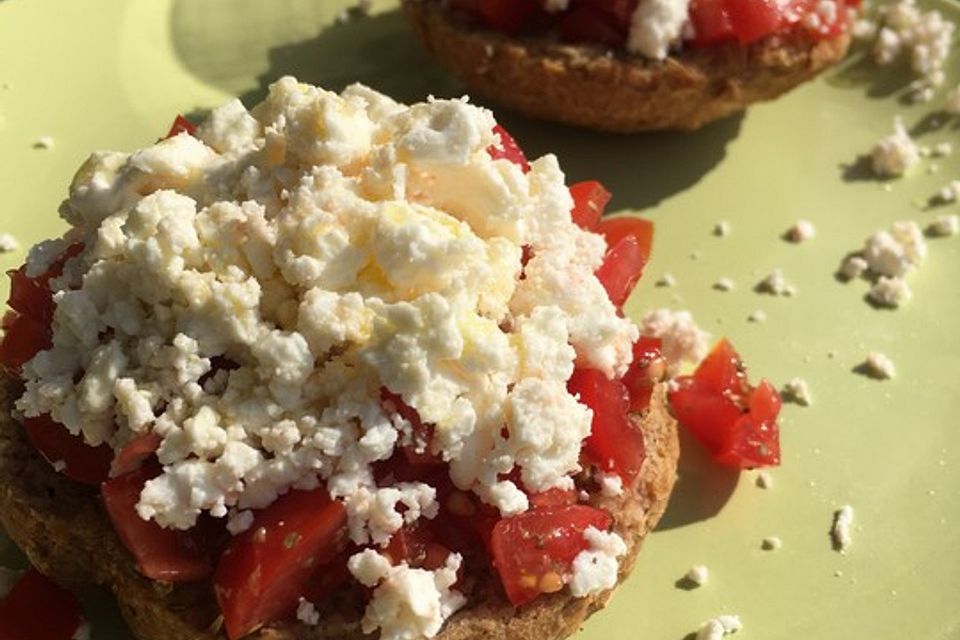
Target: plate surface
<point>111,74</point>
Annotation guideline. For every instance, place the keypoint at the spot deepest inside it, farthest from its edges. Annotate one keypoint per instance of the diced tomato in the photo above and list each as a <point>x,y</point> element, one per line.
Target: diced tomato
<point>553,498</point>
<point>161,554</point>
<point>23,338</point>
<point>711,22</point>
<point>180,125</point>
<point>589,202</point>
<point>621,270</point>
<point>615,443</point>
<point>735,421</point>
<point>616,229</point>
<point>754,19</point>
<point>533,552</point>
<point>266,570</point>
<point>134,453</point>
<point>417,546</point>
<point>508,149</point>
<point>507,16</point>
<point>647,369</point>
<point>30,296</point>
<point>37,609</point>
<point>81,462</point>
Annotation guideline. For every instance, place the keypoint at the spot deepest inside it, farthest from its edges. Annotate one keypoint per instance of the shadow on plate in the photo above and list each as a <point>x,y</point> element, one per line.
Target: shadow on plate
<point>249,48</point>
<point>703,487</point>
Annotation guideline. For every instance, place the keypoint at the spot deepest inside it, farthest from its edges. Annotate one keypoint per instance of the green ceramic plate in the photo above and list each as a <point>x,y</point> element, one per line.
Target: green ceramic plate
<point>111,73</point>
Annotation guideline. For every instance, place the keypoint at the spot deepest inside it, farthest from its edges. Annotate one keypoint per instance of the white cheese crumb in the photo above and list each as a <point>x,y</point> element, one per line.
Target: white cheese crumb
<point>8,243</point>
<point>801,231</point>
<point>897,251</point>
<point>880,366</point>
<point>8,578</point>
<point>798,391</point>
<point>776,284</point>
<point>716,628</point>
<point>759,315</point>
<point>724,284</point>
<point>83,632</point>
<point>698,575</point>
<point>683,340</point>
<point>43,142</point>
<point>307,613</point>
<point>945,225</point>
<point>942,149</point>
<point>842,526</point>
<point>890,292</point>
<point>611,485</point>
<point>667,280</point>
<point>853,267</point>
<point>923,36</point>
<point>764,480</point>
<point>895,154</point>
<point>239,521</point>
<point>656,25</point>
<point>595,569</point>
<point>721,229</point>
<point>950,193</point>
<point>771,543</point>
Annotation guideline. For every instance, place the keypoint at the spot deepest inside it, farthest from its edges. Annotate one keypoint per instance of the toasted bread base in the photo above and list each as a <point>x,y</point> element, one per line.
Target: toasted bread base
<point>590,86</point>
<point>62,528</point>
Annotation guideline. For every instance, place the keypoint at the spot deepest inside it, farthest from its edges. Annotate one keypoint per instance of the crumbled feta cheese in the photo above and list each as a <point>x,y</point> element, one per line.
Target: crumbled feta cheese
<point>895,154</point>
<point>925,36</point>
<point>8,243</point>
<point>716,628</point>
<point>8,578</point>
<point>853,267</point>
<point>721,229</point>
<point>758,315</point>
<point>801,231</point>
<point>595,568</point>
<point>950,193</point>
<point>879,366</point>
<point>406,603</point>
<point>797,390</point>
<point>890,292</point>
<point>775,284</point>
<point>842,528</point>
<point>656,26</point>
<point>772,543</point>
<point>246,293</point>
<point>724,284</point>
<point>764,480</point>
<point>611,484</point>
<point>43,142</point>
<point>667,280</point>
<point>239,521</point>
<point>897,251</point>
<point>683,341</point>
<point>945,225</point>
<point>698,575</point>
<point>83,632</point>
<point>943,149</point>
<point>307,613</point>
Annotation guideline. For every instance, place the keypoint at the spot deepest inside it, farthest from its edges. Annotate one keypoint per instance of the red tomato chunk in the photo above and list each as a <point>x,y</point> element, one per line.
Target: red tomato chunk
<point>161,554</point>
<point>81,462</point>
<point>38,609</point>
<point>590,199</point>
<point>615,444</point>
<point>734,420</point>
<point>534,551</point>
<point>267,569</point>
<point>508,149</point>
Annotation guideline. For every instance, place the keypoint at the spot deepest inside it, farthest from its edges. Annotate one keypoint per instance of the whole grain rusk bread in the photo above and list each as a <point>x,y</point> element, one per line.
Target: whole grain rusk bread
<point>63,529</point>
<point>590,86</point>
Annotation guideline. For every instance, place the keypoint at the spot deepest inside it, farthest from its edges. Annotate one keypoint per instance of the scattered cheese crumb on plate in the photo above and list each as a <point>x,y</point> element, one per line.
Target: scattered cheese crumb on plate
<point>43,142</point>
<point>878,365</point>
<point>698,575</point>
<point>764,480</point>
<point>801,231</point>
<point>797,391</point>
<point>944,226</point>
<point>771,543</point>
<point>716,628</point>
<point>8,243</point>
<point>842,528</point>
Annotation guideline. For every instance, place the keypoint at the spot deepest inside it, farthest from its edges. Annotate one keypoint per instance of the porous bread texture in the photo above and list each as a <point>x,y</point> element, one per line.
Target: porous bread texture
<point>62,528</point>
<point>591,86</point>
